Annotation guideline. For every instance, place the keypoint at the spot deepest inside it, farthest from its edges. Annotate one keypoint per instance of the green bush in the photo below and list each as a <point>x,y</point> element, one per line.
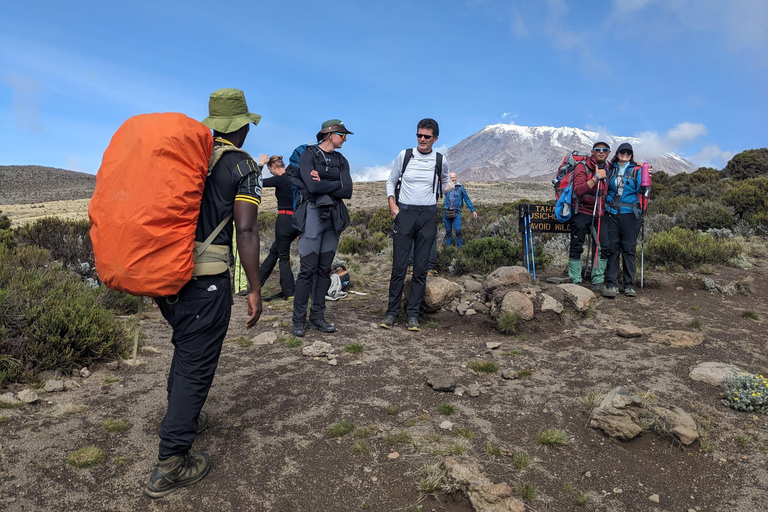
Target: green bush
<point>68,241</point>
<point>266,221</point>
<point>746,392</point>
<point>749,199</point>
<point>747,164</point>
<point>359,217</point>
<point>49,319</point>
<point>704,215</point>
<point>483,255</point>
<point>5,222</point>
<point>119,302</point>
<point>381,221</point>
<point>689,248</point>
<point>360,241</point>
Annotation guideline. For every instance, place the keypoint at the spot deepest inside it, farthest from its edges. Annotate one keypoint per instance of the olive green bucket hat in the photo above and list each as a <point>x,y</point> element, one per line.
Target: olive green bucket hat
<point>332,125</point>
<point>228,111</point>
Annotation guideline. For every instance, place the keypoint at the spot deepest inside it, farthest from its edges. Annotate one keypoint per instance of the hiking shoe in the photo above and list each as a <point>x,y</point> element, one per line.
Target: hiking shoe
<point>321,326</point>
<point>298,330</point>
<point>178,471</point>
<point>630,292</point>
<point>202,422</point>
<point>597,287</point>
<point>610,293</point>
<point>413,324</point>
<point>388,322</point>
<point>432,272</point>
<point>273,297</point>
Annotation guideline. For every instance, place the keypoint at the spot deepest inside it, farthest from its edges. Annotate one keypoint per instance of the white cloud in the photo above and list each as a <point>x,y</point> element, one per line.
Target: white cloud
<point>680,136</point>
<point>508,116</point>
<point>711,156</point>
<point>517,22</point>
<point>26,100</point>
<point>373,173</point>
<point>686,132</point>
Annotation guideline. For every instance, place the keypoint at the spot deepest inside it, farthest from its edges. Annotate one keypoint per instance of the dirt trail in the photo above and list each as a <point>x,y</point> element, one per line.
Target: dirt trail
<point>271,409</point>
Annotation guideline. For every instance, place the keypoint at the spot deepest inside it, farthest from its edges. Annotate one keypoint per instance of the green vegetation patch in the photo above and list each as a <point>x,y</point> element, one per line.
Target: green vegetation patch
<point>508,323</point>
<point>552,437</point>
<point>689,248</point>
<point>483,366</point>
<point>746,392</point>
<point>86,457</point>
<point>116,425</point>
<point>446,409</point>
<point>354,348</point>
<point>341,428</point>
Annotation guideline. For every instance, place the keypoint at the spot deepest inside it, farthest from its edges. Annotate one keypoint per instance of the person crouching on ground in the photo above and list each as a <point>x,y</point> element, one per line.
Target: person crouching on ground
<point>588,181</point>
<point>323,216</point>
<point>621,223</point>
<point>199,314</point>
<point>285,233</point>
<point>452,211</point>
<point>415,214</point>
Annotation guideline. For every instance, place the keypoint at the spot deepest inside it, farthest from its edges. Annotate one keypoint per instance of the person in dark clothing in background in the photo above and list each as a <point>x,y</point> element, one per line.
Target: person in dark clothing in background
<point>285,234</point>
<point>325,180</point>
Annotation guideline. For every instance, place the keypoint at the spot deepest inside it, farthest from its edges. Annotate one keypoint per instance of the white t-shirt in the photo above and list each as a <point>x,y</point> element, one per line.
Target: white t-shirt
<point>419,184</point>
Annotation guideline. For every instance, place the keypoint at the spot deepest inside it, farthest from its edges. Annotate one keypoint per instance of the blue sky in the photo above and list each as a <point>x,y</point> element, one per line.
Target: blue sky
<point>687,75</point>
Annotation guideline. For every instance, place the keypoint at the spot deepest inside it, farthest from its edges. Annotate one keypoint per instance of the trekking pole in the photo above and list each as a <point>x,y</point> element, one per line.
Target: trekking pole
<point>642,238</point>
<point>599,218</point>
<point>590,267</point>
<point>525,239</point>
<point>137,332</point>
<point>533,256</point>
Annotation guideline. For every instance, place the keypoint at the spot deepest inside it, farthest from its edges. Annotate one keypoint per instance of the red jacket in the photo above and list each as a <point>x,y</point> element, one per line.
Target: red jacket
<point>581,189</point>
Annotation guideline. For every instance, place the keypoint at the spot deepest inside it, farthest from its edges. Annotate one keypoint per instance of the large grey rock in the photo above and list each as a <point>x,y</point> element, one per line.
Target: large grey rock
<point>54,386</point>
<point>678,338</point>
<point>265,338</point>
<point>506,276</point>
<point>441,380</point>
<point>9,398</point>
<point>619,414</point>
<point>558,280</point>
<point>28,396</point>
<point>578,296</point>
<point>317,349</point>
<point>480,307</point>
<point>473,286</point>
<point>438,293</point>
<point>550,304</point>
<point>629,331</point>
<point>517,303</point>
<point>714,373</point>
<point>462,308</point>
<point>484,495</point>
<point>678,422</point>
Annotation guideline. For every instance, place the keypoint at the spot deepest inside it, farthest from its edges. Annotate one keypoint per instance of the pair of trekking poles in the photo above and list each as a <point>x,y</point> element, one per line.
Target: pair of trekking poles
<point>598,208</point>
<point>530,258</point>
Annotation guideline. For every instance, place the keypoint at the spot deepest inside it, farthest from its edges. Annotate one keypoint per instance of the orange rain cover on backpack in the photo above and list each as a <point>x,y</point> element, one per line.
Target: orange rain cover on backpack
<point>147,199</point>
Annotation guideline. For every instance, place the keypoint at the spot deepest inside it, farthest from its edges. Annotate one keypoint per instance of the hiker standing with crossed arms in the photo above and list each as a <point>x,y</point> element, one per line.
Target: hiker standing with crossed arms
<point>588,186</point>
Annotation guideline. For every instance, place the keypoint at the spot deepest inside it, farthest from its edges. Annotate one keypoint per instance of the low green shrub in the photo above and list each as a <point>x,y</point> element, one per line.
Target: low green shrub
<point>749,199</point>
<point>68,241</point>
<point>381,221</point>
<point>480,255</point>
<point>360,241</point>
<point>704,215</point>
<point>689,248</point>
<point>119,302</point>
<point>746,392</point>
<point>266,221</point>
<point>5,222</point>
<point>49,319</point>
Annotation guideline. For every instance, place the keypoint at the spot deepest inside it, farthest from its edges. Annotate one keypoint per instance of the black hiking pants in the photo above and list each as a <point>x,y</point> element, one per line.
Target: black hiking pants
<point>199,316</point>
<point>317,248</point>
<point>414,226</point>
<point>285,234</point>
<point>619,237</point>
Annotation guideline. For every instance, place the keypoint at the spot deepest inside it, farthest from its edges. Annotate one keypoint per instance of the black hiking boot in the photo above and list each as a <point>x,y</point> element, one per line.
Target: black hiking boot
<point>413,324</point>
<point>598,287</point>
<point>298,330</point>
<point>178,471</point>
<point>388,322</point>
<point>609,293</point>
<point>202,422</point>
<point>321,326</point>
<point>630,292</point>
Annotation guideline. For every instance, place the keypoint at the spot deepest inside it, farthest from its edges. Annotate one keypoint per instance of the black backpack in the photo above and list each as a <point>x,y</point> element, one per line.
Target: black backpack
<point>438,175</point>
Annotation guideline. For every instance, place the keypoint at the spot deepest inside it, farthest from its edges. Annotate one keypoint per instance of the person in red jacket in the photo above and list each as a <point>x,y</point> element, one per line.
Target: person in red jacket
<point>588,183</point>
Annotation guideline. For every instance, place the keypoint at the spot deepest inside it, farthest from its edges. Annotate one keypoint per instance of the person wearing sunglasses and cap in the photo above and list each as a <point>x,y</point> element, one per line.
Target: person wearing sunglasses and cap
<point>325,181</point>
<point>199,314</point>
<point>621,223</point>
<point>421,178</point>
<point>588,181</point>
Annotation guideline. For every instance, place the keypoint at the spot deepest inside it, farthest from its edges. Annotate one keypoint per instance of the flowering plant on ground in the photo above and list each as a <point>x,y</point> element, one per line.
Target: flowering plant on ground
<point>746,392</point>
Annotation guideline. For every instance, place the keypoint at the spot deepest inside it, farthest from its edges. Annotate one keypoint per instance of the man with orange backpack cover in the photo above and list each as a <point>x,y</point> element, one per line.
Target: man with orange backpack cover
<point>199,314</point>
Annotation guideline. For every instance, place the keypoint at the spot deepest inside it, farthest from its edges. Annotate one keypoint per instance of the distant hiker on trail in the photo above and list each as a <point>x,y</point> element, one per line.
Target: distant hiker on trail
<point>588,180</point>
<point>199,313</point>
<point>418,176</point>
<point>452,211</point>
<point>622,221</point>
<point>285,233</point>
<point>320,217</point>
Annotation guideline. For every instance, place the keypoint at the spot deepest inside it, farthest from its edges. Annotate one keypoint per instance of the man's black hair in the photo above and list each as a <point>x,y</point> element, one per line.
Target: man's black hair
<point>429,124</point>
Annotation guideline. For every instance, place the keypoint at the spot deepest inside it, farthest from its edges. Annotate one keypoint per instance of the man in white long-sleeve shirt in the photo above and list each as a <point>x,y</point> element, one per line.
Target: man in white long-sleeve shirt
<point>420,174</point>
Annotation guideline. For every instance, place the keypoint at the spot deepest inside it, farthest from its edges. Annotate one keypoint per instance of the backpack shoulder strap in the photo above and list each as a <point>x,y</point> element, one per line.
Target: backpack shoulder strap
<point>219,151</point>
<point>408,156</point>
<point>438,175</point>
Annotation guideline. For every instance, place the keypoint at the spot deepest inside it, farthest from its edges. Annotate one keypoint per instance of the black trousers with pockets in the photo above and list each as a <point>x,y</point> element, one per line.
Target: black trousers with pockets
<point>199,316</point>
<point>619,237</point>
<point>285,234</point>
<point>417,226</point>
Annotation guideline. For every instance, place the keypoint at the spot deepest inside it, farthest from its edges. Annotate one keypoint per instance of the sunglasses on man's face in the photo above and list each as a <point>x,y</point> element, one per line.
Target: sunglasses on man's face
<point>601,150</point>
<point>625,152</point>
<point>423,136</point>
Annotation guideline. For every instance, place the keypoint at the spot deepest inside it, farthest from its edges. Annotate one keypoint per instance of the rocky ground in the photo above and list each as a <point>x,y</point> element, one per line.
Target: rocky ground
<point>428,429</point>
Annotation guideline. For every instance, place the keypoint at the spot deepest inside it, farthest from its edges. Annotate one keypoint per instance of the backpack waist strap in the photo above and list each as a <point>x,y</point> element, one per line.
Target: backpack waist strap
<point>212,261</point>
